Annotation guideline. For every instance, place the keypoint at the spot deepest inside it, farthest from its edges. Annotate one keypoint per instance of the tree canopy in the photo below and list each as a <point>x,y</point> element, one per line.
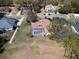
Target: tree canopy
<point>70,6</point>
<point>6,2</point>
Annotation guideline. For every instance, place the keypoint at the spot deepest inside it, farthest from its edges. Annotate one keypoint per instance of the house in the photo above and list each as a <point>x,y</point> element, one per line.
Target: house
<point>40,28</point>
<point>51,8</point>
<point>7,24</point>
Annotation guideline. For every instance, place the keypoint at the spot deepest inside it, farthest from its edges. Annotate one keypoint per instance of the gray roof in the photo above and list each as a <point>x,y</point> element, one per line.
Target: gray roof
<point>57,15</point>
<point>6,23</point>
<point>52,15</point>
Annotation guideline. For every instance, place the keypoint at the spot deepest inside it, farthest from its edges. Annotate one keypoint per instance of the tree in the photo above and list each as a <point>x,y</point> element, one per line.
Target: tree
<point>22,2</point>
<point>58,31</point>
<point>32,17</point>
<point>3,41</point>
<point>70,6</point>
<point>6,2</point>
<point>72,46</point>
<point>66,9</point>
<point>75,5</point>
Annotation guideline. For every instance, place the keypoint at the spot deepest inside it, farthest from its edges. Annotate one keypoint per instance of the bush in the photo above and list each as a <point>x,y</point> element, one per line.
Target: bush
<point>66,9</point>
<point>58,31</point>
<point>70,6</point>
<point>72,45</point>
<point>31,18</point>
<point>3,41</point>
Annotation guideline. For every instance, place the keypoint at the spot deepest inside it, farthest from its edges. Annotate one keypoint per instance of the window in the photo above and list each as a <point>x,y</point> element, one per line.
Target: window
<point>38,32</point>
<point>39,29</point>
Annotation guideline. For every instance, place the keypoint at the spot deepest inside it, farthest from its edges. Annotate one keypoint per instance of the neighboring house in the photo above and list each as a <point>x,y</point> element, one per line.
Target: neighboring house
<point>7,24</point>
<point>50,12</point>
<point>50,15</point>
<point>51,8</point>
<point>40,28</point>
<point>75,27</point>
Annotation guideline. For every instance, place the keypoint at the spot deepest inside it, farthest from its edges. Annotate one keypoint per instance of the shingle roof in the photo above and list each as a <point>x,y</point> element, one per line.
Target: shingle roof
<point>6,23</point>
<point>41,23</point>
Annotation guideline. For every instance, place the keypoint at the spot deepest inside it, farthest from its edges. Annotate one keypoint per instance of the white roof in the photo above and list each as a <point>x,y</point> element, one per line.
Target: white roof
<point>76,15</point>
<point>50,7</point>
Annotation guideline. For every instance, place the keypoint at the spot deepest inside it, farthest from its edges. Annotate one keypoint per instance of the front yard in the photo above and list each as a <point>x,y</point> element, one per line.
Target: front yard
<point>25,47</point>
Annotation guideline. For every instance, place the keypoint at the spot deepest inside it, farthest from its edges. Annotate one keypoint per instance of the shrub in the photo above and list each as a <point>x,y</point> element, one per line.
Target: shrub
<point>3,41</point>
<point>72,45</point>
<point>58,31</point>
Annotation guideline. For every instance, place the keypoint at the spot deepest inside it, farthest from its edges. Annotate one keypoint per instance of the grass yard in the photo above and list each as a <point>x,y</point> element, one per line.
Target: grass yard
<point>40,48</point>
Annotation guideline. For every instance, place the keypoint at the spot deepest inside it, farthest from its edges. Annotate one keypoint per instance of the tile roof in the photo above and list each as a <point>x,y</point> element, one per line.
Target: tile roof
<point>40,23</point>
